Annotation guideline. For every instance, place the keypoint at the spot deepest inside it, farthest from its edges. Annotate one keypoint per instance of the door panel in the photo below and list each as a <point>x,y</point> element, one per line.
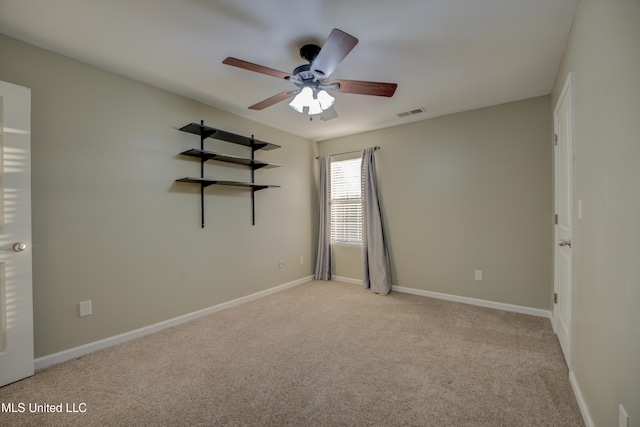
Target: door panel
<point>16,307</point>
<point>564,210</point>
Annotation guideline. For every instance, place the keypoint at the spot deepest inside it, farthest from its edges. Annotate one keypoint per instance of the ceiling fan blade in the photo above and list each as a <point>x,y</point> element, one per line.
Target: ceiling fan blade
<point>234,62</point>
<point>328,114</point>
<point>366,88</point>
<point>273,100</point>
<point>334,50</point>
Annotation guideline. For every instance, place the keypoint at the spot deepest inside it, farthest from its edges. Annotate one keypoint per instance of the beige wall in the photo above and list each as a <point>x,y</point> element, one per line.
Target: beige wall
<point>465,192</point>
<point>603,55</point>
<point>110,224</point>
<point>346,262</point>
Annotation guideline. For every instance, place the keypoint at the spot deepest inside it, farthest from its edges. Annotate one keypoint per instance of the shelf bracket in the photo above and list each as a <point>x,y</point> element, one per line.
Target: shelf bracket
<point>202,160</point>
<point>253,190</point>
<point>201,205</point>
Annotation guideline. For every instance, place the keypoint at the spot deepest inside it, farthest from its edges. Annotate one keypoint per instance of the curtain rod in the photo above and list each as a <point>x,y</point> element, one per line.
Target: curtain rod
<point>349,152</point>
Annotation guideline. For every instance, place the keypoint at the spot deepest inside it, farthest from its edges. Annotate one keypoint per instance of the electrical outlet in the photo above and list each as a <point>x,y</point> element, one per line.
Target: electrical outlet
<point>281,263</point>
<point>623,417</point>
<point>301,260</point>
<point>85,308</point>
<point>478,275</point>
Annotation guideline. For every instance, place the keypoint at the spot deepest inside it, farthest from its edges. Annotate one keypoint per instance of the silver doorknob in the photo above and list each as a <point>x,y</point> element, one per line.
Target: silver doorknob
<point>19,246</point>
<point>565,243</point>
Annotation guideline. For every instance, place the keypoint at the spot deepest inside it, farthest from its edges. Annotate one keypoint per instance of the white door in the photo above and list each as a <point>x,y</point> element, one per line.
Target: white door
<point>16,308</point>
<point>564,211</point>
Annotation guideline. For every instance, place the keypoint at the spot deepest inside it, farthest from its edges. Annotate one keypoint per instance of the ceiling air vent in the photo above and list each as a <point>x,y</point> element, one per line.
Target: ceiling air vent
<point>412,112</point>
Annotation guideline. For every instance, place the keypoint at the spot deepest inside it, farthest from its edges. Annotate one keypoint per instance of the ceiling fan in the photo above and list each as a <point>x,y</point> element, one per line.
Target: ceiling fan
<point>312,79</point>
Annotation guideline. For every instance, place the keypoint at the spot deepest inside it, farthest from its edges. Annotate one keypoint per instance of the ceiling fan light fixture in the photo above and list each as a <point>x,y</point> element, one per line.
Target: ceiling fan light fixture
<point>312,79</point>
<point>316,101</point>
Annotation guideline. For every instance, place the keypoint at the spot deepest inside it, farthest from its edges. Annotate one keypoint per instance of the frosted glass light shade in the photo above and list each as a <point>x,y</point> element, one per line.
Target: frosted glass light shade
<point>326,100</point>
<point>303,99</point>
<point>315,107</point>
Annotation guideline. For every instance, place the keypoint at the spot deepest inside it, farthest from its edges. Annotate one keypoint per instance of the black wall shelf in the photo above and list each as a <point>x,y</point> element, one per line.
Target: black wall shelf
<point>209,155</point>
<point>208,182</point>
<point>208,132</point>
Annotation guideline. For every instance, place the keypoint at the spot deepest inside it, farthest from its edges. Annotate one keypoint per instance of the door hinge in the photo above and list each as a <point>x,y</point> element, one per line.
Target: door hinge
<point>555,298</point>
<point>555,139</point>
<point>556,220</point>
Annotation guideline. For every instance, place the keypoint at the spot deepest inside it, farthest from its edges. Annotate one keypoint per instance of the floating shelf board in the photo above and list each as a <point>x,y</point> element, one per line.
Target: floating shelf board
<point>209,132</point>
<point>208,182</point>
<point>209,155</point>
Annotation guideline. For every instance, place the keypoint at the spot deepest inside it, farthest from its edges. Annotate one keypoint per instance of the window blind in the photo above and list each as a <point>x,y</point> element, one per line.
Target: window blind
<point>346,202</point>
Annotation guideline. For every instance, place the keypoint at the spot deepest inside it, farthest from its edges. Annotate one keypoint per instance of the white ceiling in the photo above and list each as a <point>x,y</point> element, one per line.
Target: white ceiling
<point>445,55</point>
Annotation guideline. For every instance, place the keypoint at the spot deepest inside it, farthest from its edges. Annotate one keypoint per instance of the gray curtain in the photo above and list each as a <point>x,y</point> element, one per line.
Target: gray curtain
<point>375,257</point>
<point>323,261</point>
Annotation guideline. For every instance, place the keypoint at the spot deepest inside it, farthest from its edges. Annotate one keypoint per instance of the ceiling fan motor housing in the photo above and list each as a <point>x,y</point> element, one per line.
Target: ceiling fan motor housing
<point>309,52</point>
<point>304,73</point>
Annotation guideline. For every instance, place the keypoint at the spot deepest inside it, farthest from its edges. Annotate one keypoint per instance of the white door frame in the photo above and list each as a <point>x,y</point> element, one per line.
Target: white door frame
<point>567,300</point>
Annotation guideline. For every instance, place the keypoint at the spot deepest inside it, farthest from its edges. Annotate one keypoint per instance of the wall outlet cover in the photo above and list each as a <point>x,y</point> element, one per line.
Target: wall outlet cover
<point>85,308</point>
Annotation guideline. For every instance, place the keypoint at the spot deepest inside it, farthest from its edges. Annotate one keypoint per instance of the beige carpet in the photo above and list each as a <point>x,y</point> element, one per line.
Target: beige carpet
<point>319,354</point>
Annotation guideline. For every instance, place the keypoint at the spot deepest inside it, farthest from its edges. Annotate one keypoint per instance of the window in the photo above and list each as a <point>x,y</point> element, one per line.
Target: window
<point>346,202</point>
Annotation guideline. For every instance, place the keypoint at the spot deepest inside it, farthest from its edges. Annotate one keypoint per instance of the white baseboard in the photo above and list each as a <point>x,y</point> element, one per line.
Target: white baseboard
<point>588,421</point>
<point>72,353</point>
<point>347,280</point>
<point>474,301</point>
<point>466,300</point>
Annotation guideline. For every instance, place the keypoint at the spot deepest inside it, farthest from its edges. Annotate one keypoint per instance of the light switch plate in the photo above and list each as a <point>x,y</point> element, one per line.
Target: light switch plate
<point>580,209</point>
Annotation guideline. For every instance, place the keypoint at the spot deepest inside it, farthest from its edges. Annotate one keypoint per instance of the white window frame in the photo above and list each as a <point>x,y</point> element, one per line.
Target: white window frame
<point>345,202</point>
